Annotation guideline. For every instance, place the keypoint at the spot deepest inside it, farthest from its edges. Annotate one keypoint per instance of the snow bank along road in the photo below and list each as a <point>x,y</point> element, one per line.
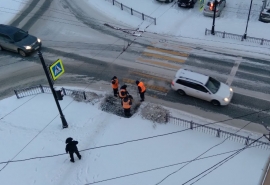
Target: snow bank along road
<point>91,53</point>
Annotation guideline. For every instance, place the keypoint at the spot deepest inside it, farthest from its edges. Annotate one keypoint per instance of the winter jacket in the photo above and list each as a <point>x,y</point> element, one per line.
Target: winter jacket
<point>71,147</point>
<point>141,87</point>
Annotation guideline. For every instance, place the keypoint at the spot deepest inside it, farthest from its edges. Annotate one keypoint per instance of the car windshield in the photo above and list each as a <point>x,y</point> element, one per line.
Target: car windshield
<point>213,85</point>
<point>19,35</point>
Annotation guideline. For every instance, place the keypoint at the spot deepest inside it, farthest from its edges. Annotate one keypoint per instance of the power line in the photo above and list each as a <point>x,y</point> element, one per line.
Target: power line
<point>212,168</point>
<point>203,153</point>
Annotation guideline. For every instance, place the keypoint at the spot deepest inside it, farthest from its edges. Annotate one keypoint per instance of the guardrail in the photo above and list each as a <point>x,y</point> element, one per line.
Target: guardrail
<point>218,132</point>
<point>224,34</point>
<point>134,12</point>
<point>34,90</point>
<point>20,93</point>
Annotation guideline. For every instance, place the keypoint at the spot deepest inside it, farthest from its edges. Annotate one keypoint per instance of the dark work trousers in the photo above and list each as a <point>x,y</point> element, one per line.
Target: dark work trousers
<point>115,92</point>
<point>142,96</point>
<point>71,155</point>
<point>127,112</point>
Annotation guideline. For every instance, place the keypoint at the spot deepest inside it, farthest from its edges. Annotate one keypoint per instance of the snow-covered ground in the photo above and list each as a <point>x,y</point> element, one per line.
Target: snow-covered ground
<point>189,24</point>
<point>31,127</point>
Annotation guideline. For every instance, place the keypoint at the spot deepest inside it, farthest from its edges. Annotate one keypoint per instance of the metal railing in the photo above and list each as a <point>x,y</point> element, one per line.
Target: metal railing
<point>134,12</point>
<point>20,93</point>
<point>178,121</point>
<point>224,34</point>
<point>218,132</point>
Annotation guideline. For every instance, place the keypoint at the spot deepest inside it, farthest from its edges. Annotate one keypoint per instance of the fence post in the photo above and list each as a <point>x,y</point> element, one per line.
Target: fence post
<point>41,88</point>
<point>64,91</point>
<point>142,16</point>
<point>84,95</point>
<point>191,125</point>
<point>247,141</point>
<point>242,38</point>
<point>155,20</point>
<point>223,36</point>
<point>218,132</point>
<point>131,10</point>
<point>113,2</point>
<point>121,6</point>
<point>262,42</point>
<point>16,94</point>
<point>205,31</point>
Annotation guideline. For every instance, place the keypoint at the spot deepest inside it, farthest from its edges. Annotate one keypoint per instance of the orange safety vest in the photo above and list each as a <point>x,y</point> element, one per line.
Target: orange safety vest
<point>126,104</point>
<point>115,85</point>
<point>141,85</point>
<point>120,93</point>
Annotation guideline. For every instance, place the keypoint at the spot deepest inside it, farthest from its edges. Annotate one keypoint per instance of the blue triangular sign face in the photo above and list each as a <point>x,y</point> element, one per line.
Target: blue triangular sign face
<point>57,70</point>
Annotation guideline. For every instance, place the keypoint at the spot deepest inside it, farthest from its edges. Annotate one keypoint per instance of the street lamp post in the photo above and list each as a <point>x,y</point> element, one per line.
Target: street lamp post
<point>214,18</point>
<point>64,122</point>
<point>245,35</point>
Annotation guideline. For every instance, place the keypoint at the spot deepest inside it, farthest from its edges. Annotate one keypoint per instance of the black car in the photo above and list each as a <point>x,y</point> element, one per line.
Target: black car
<point>17,40</point>
<point>186,3</point>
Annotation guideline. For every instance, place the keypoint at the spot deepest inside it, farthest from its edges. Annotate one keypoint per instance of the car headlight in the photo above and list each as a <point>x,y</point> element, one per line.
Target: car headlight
<point>28,47</point>
<point>226,99</point>
<point>231,90</point>
<point>38,40</point>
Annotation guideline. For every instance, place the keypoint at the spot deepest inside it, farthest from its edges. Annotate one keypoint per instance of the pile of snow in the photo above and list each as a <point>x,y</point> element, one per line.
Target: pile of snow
<point>91,97</point>
<point>113,105</point>
<point>155,113</point>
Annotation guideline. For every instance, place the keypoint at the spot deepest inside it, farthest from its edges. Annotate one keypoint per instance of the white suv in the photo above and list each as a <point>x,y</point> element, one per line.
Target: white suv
<point>202,86</point>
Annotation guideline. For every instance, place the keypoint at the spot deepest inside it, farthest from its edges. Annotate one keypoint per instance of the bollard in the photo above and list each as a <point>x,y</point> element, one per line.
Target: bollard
<point>262,42</point>
<point>155,21</point>
<point>223,36</point>
<point>191,125</point>
<point>121,6</point>
<point>41,88</point>
<point>113,2</point>
<point>142,16</point>
<point>131,10</point>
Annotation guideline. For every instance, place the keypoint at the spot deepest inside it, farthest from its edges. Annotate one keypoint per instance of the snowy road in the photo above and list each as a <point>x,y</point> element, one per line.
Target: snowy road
<point>90,51</point>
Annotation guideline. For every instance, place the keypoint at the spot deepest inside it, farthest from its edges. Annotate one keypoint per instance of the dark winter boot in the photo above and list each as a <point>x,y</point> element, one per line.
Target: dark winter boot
<point>80,157</point>
<point>72,160</point>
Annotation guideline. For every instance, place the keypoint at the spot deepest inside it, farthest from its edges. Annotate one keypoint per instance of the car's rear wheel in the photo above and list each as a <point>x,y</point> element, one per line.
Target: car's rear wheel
<point>215,102</point>
<point>22,53</point>
<point>181,92</point>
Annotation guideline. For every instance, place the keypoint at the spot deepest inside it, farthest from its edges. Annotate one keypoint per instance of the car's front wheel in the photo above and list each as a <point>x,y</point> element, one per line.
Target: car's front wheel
<point>215,102</point>
<point>22,53</point>
<point>181,92</point>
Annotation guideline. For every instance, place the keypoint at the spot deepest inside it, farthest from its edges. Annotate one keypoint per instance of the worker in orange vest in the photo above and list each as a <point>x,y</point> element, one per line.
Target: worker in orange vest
<point>123,92</point>
<point>141,89</point>
<point>115,86</point>
<point>126,103</point>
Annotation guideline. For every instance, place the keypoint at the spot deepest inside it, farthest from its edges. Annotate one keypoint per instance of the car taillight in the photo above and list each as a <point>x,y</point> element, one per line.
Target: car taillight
<point>172,83</point>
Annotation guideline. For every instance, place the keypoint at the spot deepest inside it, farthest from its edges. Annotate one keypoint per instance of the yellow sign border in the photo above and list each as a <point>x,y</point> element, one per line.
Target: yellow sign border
<point>54,64</point>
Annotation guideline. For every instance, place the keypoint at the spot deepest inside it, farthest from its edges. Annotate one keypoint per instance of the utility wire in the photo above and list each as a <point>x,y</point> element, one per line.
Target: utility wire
<point>203,153</point>
<point>212,168</point>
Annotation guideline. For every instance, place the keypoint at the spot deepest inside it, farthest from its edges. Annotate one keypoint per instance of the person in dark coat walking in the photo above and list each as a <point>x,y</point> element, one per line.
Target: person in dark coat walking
<point>71,148</point>
<point>141,89</point>
<point>115,86</point>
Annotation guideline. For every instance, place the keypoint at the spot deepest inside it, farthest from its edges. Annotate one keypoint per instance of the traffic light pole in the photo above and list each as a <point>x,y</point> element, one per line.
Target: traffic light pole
<point>214,18</point>
<point>64,122</point>
<point>245,35</point>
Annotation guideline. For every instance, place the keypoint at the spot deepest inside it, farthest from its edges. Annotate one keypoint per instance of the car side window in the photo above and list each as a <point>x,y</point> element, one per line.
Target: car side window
<point>186,83</point>
<point>201,88</point>
<point>4,37</point>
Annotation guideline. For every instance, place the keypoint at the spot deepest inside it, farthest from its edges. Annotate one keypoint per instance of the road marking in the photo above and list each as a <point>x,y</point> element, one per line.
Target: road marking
<point>168,51</point>
<point>159,63</point>
<point>233,71</point>
<point>151,76</point>
<point>148,86</point>
<point>163,57</point>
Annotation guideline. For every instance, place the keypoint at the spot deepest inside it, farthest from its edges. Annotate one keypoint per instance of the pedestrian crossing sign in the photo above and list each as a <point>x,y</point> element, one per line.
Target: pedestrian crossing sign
<point>57,69</point>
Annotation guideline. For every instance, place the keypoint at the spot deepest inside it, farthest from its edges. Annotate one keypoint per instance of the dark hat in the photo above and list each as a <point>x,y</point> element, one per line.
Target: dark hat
<point>114,77</point>
<point>69,139</point>
<point>137,82</point>
<point>124,86</point>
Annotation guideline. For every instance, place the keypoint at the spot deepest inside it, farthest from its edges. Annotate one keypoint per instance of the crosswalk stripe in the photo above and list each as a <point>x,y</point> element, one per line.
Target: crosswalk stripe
<point>159,63</point>
<point>168,51</point>
<point>150,76</point>
<point>163,57</point>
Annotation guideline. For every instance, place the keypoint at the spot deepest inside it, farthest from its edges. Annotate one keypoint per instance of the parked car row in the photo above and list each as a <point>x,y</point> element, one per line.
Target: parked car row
<point>208,7</point>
